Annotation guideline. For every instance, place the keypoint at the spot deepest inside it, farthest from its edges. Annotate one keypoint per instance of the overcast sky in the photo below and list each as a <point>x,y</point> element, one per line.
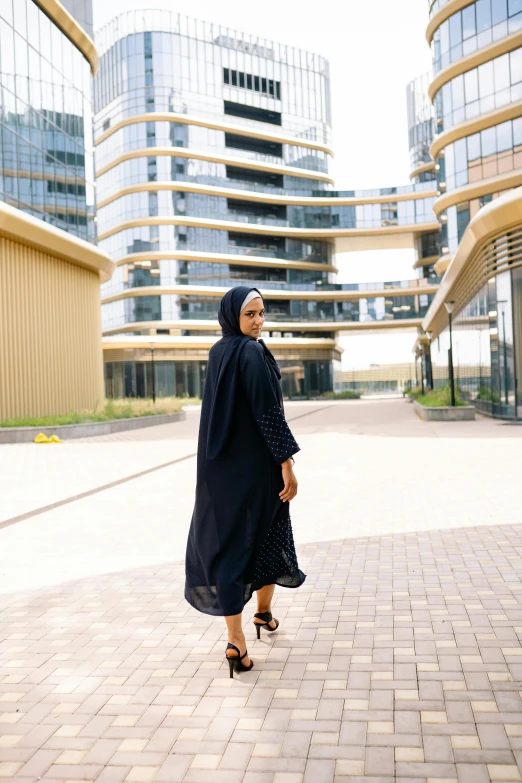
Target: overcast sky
<point>375,47</point>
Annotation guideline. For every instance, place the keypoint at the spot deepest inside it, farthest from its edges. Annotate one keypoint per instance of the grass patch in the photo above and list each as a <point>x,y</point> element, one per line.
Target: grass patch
<point>344,395</point>
<point>113,409</point>
<point>414,392</point>
<point>440,398</point>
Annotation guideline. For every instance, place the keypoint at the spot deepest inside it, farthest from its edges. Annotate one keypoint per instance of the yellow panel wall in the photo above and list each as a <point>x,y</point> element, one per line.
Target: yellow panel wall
<point>50,334</point>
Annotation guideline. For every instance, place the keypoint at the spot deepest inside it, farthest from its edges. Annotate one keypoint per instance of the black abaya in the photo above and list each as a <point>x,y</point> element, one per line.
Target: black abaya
<point>240,536</point>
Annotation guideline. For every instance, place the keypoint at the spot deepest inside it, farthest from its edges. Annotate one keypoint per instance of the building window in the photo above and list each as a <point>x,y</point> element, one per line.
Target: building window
<point>250,82</point>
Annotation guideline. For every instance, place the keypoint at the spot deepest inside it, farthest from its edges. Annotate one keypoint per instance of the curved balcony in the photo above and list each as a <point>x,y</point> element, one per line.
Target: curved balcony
<point>62,244</point>
<point>74,31</point>
<point>275,231</point>
<point>476,189</point>
<point>327,292</point>
<point>202,345</point>
<point>271,153</point>
<point>193,306</point>
<point>474,125</point>
<point>473,60</point>
<point>227,160</point>
<point>423,168</point>
<point>271,260</point>
<point>442,10</point>
<point>334,199</point>
<point>134,210</point>
<point>273,133</point>
<point>473,28</point>
<point>479,256</point>
<point>401,322</point>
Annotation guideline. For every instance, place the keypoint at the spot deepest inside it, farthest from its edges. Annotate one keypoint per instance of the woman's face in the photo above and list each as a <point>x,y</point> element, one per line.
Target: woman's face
<point>252,318</point>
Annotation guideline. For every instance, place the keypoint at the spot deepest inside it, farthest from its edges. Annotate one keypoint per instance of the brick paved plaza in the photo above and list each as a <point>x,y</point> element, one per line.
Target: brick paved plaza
<point>400,657</point>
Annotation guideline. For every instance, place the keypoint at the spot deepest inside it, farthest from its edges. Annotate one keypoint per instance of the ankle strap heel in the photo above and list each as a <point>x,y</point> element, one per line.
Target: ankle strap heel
<point>267,619</point>
<point>234,661</point>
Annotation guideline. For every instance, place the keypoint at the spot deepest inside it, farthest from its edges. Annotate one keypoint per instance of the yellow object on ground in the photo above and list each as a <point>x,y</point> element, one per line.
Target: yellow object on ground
<point>41,438</point>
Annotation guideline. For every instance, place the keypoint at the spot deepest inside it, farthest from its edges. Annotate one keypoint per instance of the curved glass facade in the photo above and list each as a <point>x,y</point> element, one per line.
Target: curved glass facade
<point>46,151</point>
<point>487,347</point>
<point>175,307</point>
<point>169,239</point>
<point>490,86</point>
<point>457,218</point>
<point>421,125</point>
<point>436,5</point>
<point>163,62</point>
<point>474,27</point>
<point>493,151</point>
<point>214,142</point>
<point>261,95</point>
<point>497,149</point>
<point>170,204</point>
<point>188,61</point>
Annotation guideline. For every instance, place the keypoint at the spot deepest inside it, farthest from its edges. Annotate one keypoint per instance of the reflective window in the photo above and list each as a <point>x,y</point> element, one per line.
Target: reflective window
<point>491,85</point>
<point>204,63</point>
<point>456,219</point>
<point>175,309</point>
<point>300,377</point>
<point>474,27</point>
<point>203,141</point>
<point>45,121</point>
<point>493,151</point>
<point>421,122</point>
<point>487,345</point>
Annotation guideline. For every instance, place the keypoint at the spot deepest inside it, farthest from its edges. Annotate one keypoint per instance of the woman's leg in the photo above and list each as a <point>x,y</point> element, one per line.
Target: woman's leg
<point>264,602</point>
<point>236,637</point>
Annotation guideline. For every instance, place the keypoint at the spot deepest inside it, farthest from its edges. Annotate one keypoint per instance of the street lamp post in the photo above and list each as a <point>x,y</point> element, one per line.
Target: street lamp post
<point>430,377</point>
<point>153,374</point>
<point>449,308</point>
<point>422,369</point>
<point>504,351</point>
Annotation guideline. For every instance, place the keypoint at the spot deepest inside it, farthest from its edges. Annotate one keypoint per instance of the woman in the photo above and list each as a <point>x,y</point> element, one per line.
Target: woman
<point>240,538</point>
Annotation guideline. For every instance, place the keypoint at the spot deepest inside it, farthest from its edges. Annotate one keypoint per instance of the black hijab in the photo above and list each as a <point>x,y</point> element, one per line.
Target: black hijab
<point>224,388</point>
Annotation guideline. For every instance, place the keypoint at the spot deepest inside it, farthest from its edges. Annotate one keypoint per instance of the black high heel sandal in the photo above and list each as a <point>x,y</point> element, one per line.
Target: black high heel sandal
<point>267,619</point>
<point>234,661</point>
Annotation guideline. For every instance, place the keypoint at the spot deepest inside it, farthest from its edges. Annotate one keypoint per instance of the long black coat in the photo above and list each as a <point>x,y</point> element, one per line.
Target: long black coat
<point>240,536</point>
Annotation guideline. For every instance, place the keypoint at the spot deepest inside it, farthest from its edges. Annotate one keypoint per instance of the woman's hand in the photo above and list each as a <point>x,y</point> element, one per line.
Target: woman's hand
<point>290,490</point>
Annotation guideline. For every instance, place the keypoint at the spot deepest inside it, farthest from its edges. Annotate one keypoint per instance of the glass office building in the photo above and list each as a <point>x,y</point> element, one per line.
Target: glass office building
<point>421,129</point>
<point>476,90</point>
<point>479,133</point>
<point>50,268</point>
<point>83,13</point>
<point>46,143</point>
<point>212,157</point>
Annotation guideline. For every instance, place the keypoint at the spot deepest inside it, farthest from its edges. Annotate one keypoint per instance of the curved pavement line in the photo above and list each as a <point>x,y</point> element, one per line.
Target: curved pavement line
<point>88,493</point>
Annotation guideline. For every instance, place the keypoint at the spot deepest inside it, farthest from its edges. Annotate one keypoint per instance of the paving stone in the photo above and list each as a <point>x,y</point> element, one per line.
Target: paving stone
<point>472,773</point>
<point>380,761</point>
<point>399,656</point>
<point>319,770</point>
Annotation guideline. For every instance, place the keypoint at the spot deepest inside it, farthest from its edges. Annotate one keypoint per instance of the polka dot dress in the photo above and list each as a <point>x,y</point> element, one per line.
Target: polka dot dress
<point>277,559</point>
<point>277,434</point>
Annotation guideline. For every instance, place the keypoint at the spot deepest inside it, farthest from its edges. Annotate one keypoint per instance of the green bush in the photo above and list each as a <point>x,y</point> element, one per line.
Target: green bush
<point>486,395</point>
<point>112,409</point>
<point>440,398</point>
<point>344,395</point>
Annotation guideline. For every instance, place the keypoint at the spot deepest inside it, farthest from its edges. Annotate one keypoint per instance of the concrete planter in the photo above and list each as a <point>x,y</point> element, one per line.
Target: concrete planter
<point>69,431</point>
<point>460,413</point>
